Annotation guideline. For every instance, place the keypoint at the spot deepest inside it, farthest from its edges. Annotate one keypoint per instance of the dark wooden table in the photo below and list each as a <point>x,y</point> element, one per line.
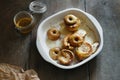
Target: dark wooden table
<point>21,50</point>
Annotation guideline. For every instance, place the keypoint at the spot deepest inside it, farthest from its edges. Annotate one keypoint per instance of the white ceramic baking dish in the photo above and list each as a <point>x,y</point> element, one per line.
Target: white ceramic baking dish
<point>55,18</point>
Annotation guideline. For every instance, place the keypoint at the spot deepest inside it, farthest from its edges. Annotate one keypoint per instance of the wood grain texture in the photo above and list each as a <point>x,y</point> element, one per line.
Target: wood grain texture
<point>14,48</point>
<point>21,50</point>
<point>106,66</point>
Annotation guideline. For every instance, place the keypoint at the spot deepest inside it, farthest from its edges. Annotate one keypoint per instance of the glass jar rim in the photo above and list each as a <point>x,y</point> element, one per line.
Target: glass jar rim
<point>37,7</point>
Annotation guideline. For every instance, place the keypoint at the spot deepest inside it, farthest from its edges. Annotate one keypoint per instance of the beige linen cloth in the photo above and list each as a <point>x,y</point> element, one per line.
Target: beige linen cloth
<point>11,72</point>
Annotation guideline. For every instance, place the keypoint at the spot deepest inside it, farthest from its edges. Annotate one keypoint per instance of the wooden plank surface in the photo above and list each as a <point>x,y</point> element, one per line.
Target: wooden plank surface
<point>14,48</point>
<point>106,66</point>
<point>21,50</point>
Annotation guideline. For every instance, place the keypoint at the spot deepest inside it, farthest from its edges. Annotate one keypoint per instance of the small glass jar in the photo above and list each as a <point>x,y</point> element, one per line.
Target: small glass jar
<point>37,7</point>
<point>24,22</point>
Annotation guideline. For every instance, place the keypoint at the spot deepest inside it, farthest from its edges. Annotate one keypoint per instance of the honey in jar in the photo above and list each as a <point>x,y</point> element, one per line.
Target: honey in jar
<point>24,22</point>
